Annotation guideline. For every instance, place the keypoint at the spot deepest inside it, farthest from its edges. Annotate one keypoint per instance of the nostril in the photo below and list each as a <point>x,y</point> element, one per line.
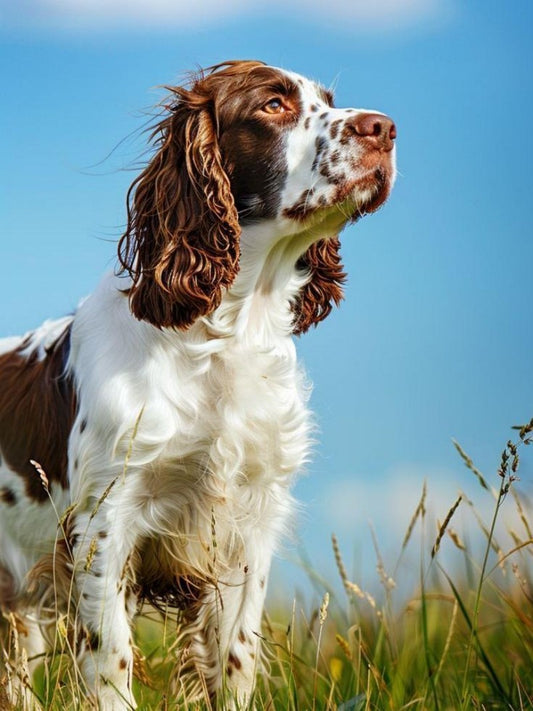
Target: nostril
<point>378,129</point>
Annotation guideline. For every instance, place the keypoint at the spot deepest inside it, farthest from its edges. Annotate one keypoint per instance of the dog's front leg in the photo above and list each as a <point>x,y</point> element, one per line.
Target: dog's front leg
<point>103,544</point>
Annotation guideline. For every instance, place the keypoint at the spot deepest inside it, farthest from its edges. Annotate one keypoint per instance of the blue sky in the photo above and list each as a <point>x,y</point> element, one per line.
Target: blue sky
<point>434,339</point>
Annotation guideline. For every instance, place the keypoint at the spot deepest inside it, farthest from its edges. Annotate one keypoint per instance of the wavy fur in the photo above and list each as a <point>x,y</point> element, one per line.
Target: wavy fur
<point>181,244</point>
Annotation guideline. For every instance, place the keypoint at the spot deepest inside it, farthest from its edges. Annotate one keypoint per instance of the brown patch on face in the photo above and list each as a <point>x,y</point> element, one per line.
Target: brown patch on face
<point>301,208</point>
<point>320,146</point>
<point>327,96</point>
<point>8,496</point>
<point>334,128</point>
<point>37,409</point>
<point>242,636</point>
<point>123,664</point>
<point>252,139</point>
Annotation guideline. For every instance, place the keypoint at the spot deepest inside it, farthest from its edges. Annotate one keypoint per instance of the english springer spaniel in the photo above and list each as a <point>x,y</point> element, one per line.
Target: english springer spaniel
<point>149,442</point>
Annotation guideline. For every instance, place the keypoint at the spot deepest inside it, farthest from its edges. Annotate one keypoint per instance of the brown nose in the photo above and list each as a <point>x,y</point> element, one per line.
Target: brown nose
<point>379,131</point>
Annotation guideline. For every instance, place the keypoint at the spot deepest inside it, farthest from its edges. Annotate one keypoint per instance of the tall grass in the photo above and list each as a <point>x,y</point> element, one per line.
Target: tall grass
<point>462,638</point>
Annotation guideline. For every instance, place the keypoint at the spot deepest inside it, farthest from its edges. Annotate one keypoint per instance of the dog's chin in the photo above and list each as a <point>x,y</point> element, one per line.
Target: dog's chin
<point>368,194</point>
<point>352,200</point>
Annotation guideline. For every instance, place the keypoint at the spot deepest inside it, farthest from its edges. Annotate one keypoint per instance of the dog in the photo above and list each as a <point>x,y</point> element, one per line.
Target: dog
<point>168,416</point>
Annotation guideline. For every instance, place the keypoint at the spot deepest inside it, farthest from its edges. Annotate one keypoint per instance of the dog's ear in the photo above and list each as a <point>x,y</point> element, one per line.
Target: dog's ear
<point>181,244</point>
<point>322,262</point>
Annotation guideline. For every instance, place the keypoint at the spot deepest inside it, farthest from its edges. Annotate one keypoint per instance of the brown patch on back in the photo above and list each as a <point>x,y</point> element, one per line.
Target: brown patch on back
<point>37,409</point>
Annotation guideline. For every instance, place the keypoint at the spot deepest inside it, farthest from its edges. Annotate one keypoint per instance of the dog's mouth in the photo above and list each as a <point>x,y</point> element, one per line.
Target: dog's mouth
<point>351,198</point>
<point>371,192</point>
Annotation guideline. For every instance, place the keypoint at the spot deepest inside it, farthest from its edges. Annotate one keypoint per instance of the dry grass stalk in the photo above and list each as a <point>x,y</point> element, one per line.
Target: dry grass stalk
<point>350,587</point>
<point>452,533</point>
<point>339,561</point>
<point>525,430</point>
<point>448,637</point>
<point>355,589</point>
<point>442,529</point>
<point>122,475</point>
<point>90,555</point>
<point>386,580</point>
<point>104,496</point>
<point>344,645</point>
<point>132,440</point>
<point>42,474</point>
<point>521,513</point>
<point>486,532</point>
<point>323,613</point>
<point>470,465</point>
<point>419,511</point>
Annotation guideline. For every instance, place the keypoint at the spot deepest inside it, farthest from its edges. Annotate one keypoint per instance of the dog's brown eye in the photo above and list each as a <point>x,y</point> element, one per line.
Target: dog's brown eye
<point>274,106</point>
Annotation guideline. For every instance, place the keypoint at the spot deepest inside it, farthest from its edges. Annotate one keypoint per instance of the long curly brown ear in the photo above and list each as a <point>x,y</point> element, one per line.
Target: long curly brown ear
<point>324,288</point>
<point>181,244</point>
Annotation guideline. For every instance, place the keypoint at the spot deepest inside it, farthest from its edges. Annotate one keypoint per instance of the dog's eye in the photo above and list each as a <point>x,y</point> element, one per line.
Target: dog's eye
<point>274,106</point>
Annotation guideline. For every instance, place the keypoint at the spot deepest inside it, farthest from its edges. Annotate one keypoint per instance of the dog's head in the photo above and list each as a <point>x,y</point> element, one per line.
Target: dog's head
<point>246,143</point>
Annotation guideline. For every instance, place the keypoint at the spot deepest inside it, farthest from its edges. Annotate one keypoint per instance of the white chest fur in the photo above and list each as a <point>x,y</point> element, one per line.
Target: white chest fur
<point>210,423</point>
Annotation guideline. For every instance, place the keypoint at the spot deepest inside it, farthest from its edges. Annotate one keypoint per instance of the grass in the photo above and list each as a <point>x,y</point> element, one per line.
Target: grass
<point>460,638</point>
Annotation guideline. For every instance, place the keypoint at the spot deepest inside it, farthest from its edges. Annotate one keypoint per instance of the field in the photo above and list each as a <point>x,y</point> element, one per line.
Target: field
<point>459,639</point>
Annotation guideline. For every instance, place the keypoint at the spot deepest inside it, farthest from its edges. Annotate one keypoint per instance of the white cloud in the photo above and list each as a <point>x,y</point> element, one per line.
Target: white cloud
<point>389,502</point>
<point>378,15</point>
<point>386,504</point>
